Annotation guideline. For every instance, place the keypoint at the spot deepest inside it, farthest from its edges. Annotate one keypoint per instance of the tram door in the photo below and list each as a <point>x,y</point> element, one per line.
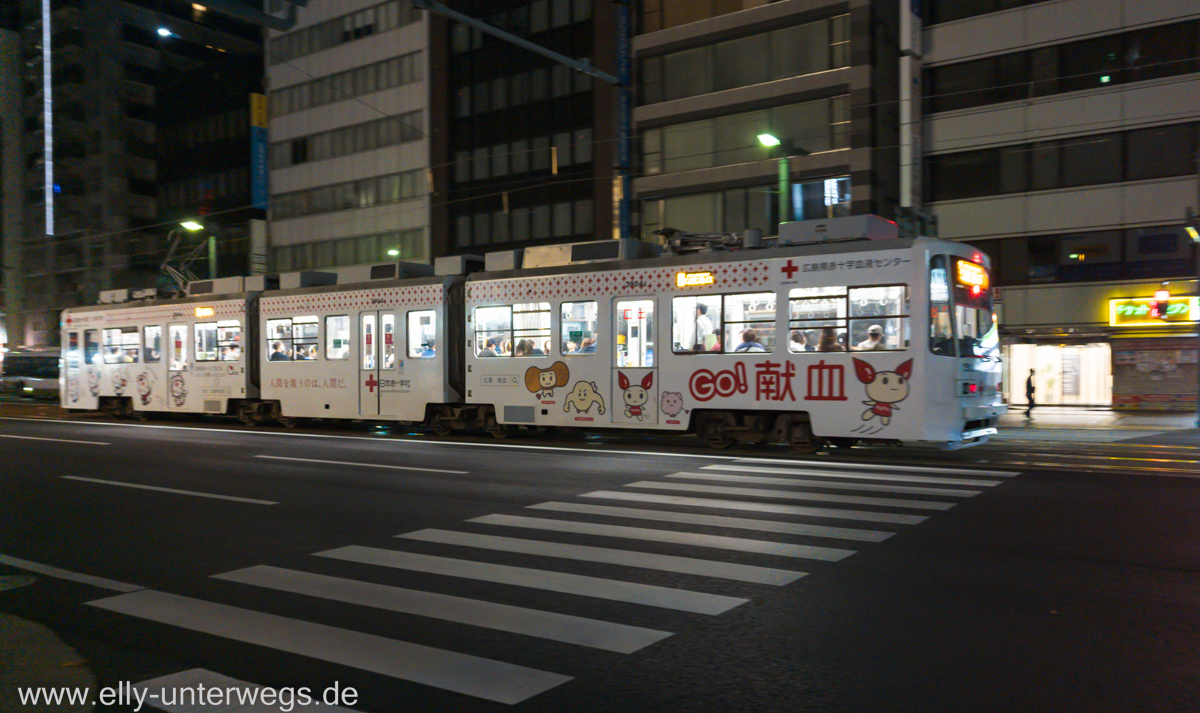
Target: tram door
<point>377,356</point>
<point>635,373</point>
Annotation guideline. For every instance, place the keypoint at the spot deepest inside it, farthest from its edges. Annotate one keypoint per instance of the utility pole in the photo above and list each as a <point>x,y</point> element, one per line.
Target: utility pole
<point>621,82</point>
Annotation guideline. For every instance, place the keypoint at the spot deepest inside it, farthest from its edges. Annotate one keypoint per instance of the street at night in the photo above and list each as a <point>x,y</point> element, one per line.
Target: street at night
<point>1044,571</point>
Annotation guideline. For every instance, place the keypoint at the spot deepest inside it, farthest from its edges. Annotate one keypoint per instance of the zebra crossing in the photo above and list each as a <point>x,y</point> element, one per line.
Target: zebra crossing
<point>692,520</point>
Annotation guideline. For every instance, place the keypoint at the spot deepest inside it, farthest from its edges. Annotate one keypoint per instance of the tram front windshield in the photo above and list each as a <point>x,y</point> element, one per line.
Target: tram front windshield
<point>965,325</point>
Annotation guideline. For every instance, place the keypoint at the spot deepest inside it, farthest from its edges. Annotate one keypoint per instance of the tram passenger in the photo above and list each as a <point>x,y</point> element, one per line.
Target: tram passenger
<point>750,342</point>
<point>799,342</point>
<point>489,349</point>
<point>829,341</point>
<point>704,328</point>
<point>589,345</point>
<point>277,353</point>
<point>874,340</point>
<point>430,349</point>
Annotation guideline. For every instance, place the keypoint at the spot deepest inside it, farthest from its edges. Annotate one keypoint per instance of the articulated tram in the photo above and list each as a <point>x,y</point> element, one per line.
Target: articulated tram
<point>834,332</point>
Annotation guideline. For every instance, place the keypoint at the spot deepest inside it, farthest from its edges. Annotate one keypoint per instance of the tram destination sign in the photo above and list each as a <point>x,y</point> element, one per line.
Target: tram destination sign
<point>1136,311</point>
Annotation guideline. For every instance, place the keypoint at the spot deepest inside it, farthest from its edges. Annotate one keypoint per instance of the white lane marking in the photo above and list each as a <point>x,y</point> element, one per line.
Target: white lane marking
<point>787,528</point>
<point>692,539</point>
<point>57,573</point>
<point>252,501</point>
<point>631,592</point>
<point>879,466</point>
<point>469,675</point>
<point>57,440</point>
<point>501,617</point>
<point>641,560</point>
<point>374,439</point>
<point>854,475</point>
<point>791,495</point>
<point>366,465</point>
<point>174,688</point>
<point>827,484</point>
<point>865,516</point>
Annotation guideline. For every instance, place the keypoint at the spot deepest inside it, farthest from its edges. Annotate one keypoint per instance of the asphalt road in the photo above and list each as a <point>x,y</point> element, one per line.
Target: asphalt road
<point>603,574</point>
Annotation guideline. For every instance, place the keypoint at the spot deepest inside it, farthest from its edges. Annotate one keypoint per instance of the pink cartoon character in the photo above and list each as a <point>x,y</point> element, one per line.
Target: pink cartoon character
<point>885,389</point>
<point>671,403</point>
<point>635,396</point>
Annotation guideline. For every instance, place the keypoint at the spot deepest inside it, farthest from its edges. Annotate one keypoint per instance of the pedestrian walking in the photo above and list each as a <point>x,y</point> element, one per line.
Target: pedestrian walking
<point>1029,389</point>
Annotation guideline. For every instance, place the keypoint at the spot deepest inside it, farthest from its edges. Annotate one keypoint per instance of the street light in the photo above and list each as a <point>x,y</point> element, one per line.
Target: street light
<point>192,225</point>
<point>785,149</point>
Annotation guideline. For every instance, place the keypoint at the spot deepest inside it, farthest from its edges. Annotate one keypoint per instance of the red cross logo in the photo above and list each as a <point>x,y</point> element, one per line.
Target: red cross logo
<point>789,269</point>
<point>372,383</point>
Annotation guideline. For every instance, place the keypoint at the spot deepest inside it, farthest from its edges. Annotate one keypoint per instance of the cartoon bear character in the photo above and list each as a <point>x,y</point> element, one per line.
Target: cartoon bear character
<point>885,389</point>
<point>178,389</point>
<point>582,396</point>
<point>635,396</point>
<point>543,382</point>
<point>93,380</point>
<point>145,386</point>
<point>119,382</point>
<point>671,403</point>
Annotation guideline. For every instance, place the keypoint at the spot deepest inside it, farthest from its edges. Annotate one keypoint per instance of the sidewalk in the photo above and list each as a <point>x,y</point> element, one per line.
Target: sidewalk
<point>1050,417</point>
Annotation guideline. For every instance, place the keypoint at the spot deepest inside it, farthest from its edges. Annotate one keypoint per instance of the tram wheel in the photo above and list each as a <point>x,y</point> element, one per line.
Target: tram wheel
<point>712,430</point>
<point>442,428</point>
<point>499,430</point>
<point>287,421</point>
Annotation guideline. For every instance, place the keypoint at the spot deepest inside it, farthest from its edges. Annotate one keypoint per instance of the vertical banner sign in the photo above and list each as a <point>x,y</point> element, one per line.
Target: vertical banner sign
<point>258,151</point>
<point>911,132</point>
<point>624,118</point>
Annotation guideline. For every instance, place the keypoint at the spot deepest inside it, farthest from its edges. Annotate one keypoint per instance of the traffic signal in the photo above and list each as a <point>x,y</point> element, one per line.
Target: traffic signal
<point>1162,300</point>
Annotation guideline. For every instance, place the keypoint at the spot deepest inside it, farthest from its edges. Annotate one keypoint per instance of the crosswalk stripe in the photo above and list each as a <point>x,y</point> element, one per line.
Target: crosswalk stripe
<point>788,528</point>
<point>831,485</point>
<point>865,516</point>
<point>460,673</point>
<point>880,466</point>
<point>738,544</point>
<point>792,495</point>
<point>180,693</point>
<point>628,558</point>
<point>631,592</point>
<point>853,475</point>
<point>501,617</point>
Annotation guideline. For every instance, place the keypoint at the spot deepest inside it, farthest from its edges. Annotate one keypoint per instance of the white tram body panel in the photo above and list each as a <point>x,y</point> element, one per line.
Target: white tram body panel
<point>659,363</point>
<point>358,352</point>
<point>186,355</point>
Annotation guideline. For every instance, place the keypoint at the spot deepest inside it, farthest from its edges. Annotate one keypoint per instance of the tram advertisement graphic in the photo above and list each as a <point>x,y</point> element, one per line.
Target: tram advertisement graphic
<point>543,382</point>
<point>885,389</point>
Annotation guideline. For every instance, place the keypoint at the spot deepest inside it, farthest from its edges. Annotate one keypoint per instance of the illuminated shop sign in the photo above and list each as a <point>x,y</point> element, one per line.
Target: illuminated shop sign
<point>694,279</point>
<point>1138,311</point>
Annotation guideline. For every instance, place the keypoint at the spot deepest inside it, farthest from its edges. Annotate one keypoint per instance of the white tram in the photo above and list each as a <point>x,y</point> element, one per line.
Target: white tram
<point>838,332</point>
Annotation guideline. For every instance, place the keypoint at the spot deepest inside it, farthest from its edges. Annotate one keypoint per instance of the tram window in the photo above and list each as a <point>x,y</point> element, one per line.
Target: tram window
<point>512,330</point>
<point>368,341</point>
<point>493,331</point>
<point>878,318</point>
<point>941,327</point>
<point>696,324</point>
<point>152,339</point>
<point>177,333</point>
<point>422,333</point>
<point>206,341</point>
<point>305,338</point>
<point>819,313</point>
<point>279,339</point>
<point>229,339</point>
<point>91,346</point>
<point>577,329</point>
<point>72,352</point>
<point>387,325</point>
<point>121,345</point>
<point>337,336</point>
<point>752,316</point>
<point>635,333</point>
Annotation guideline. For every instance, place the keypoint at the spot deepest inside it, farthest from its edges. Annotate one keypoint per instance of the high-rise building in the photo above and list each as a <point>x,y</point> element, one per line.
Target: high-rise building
<point>524,145</point>
<point>94,73</point>
<point>349,151</point>
<point>821,78</point>
<point>1061,138</point>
